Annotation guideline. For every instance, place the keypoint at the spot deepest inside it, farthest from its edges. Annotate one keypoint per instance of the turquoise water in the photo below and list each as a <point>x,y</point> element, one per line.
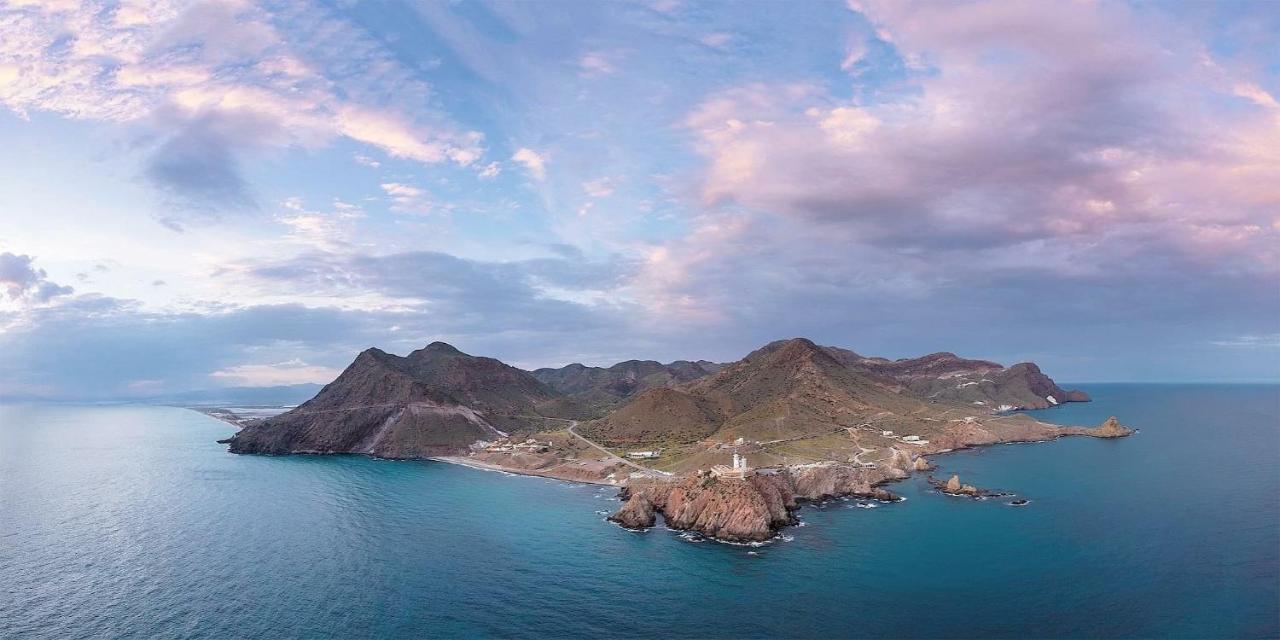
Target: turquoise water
<point>131,521</point>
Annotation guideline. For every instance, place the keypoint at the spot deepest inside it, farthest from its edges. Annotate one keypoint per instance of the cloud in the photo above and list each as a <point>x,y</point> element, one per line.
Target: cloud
<point>198,166</point>
<point>1067,123</point>
<point>92,346</point>
<point>329,230</point>
<point>595,63</point>
<point>23,282</point>
<point>407,198</point>
<point>491,170</point>
<point>212,81</point>
<point>1271,341</point>
<point>293,371</point>
<point>533,162</point>
<point>599,188</point>
<point>717,40</point>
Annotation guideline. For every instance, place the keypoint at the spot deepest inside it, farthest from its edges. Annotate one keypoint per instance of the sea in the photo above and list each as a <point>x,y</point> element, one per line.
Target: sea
<point>130,521</point>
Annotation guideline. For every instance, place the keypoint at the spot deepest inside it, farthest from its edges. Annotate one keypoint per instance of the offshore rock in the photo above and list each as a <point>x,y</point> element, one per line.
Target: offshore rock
<point>1112,429</point>
<point>954,487</point>
<point>636,513</point>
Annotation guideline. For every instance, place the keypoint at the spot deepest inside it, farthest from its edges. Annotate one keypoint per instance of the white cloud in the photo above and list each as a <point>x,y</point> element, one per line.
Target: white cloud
<point>595,63</point>
<point>716,40</point>
<point>407,198</point>
<point>856,51</point>
<point>280,373</point>
<point>490,170</point>
<point>600,188</point>
<point>323,230</point>
<point>1268,341</point>
<point>534,163</point>
<point>169,63</point>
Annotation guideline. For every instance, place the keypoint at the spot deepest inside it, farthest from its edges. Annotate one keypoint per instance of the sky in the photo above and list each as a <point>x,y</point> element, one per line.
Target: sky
<point>242,193</point>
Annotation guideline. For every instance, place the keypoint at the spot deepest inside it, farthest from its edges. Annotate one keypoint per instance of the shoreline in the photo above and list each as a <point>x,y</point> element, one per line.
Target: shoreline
<point>889,475</point>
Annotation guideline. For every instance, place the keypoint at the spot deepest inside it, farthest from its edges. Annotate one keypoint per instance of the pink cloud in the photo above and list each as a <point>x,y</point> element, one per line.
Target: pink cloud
<point>1031,121</point>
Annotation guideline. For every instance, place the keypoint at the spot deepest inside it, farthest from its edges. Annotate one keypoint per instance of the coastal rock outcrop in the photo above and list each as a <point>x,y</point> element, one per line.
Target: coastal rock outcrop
<point>749,509</point>
<point>636,512</point>
<point>822,480</point>
<point>1111,428</point>
<point>954,487</point>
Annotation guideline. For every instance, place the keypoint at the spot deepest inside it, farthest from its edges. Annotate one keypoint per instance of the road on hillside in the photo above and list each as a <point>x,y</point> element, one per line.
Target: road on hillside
<point>573,426</point>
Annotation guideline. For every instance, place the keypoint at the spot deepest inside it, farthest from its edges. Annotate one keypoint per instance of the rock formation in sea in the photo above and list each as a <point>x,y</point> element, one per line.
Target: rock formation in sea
<point>750,509</point>
<point>1111,428</point>
<point>954,487</point>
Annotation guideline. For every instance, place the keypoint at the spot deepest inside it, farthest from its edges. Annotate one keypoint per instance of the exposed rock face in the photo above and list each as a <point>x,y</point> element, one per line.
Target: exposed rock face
<point>733,510</point>
<point>636,512</point>
<point>830,479</point>
<point>954,487</point>
<point>745,510</point>
<point>435,401</point>
<point>1111,428</point>
<point>921,464</point>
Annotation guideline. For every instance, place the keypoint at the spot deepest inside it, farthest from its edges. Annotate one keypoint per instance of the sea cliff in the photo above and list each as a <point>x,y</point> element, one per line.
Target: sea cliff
<point>755,507</point>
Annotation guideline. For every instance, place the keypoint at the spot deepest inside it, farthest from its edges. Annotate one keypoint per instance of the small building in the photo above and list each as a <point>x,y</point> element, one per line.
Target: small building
<point>643,455</point>
<point>739,470</point>
<point>910,438</point>
<point>886,433</point>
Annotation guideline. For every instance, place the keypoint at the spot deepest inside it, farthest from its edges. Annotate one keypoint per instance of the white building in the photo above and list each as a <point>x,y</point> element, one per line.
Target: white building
<point>738,470</point>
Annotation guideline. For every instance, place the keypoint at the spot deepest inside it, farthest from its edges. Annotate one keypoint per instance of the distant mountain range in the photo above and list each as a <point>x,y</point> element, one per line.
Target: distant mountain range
<point>600,389</point>
<point>438,400</point>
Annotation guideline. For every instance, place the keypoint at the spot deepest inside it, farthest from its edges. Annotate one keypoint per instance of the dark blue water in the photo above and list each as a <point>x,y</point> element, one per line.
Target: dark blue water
<point>131,521</point>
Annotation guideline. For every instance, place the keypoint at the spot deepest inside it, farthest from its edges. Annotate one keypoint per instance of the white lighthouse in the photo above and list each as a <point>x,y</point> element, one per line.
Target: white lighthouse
<point>738,470</point>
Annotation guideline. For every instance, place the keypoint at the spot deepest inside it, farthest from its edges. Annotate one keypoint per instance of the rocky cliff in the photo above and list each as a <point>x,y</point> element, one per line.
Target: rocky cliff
<point>750,509</point>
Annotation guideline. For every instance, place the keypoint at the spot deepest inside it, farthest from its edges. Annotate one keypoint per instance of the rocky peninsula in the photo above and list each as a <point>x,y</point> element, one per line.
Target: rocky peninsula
<point>816,422</point>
